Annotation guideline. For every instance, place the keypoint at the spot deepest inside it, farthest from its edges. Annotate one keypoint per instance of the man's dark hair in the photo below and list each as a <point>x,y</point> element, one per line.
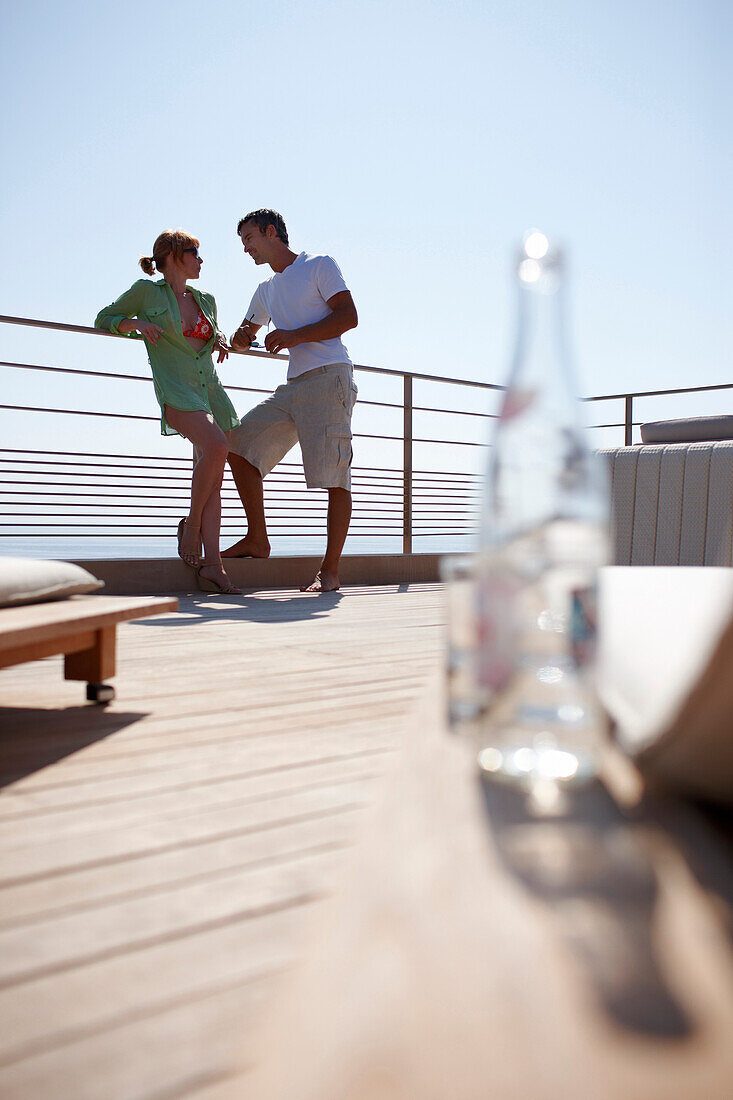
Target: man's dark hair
<point>263,218</point>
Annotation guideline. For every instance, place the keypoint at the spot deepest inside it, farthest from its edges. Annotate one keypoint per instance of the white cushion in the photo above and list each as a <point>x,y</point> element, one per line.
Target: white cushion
<point>28,580</point>
<point>688,429</point>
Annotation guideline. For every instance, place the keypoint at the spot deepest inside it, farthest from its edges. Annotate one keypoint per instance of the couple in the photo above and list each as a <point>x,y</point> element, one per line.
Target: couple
<point>311,307</point>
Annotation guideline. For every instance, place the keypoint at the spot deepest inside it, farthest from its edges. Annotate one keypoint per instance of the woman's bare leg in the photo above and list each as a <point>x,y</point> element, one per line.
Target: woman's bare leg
<point>211,525</point>
<point>204,518</point>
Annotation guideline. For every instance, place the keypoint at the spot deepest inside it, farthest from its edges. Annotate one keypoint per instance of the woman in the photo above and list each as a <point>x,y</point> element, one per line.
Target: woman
<point>178,325</point>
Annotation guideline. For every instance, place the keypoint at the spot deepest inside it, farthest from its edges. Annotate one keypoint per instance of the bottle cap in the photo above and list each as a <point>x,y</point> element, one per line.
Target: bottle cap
<point>538,258</point>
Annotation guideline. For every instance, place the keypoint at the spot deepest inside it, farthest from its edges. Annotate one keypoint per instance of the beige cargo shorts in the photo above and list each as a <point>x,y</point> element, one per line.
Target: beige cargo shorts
<point>313,410</point>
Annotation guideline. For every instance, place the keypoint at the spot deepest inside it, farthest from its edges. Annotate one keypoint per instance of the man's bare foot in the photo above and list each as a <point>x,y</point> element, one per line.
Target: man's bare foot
<point>248,548</point>
<point>325,582</point>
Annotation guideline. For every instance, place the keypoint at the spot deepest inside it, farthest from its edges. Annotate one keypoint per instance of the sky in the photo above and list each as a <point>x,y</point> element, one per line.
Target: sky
<point>415,142</point>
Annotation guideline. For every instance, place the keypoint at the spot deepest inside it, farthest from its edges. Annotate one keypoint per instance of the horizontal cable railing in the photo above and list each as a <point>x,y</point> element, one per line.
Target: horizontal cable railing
<point>96,495</point>
<point>112,495</point>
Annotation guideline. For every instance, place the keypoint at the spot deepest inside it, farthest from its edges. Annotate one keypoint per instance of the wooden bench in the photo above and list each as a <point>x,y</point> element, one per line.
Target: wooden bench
<point>83,628</point>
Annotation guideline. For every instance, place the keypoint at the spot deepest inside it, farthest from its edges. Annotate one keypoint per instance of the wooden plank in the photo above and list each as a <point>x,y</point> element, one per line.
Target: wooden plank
<point>120,734</point>
<point>73,890</point>
<point>169,683</point>
<point>39,649</point>
<point>86,1046</point>
<point>209,758</point>
<point>114,738</point>
<point>263,658</point>
<point>135,924</point>
<point>172,1051</point>
<point>260,785</point>
<point>280,749</point>
<point>26,863</point>
<point>191,712</point>
<point>32,622</point>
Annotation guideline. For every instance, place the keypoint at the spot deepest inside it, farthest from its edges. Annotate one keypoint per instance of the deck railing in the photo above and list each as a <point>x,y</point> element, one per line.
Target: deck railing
<point>94,494</point>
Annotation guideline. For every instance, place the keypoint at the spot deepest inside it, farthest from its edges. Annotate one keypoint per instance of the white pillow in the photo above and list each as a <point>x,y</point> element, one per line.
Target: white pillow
<point>29,580</point>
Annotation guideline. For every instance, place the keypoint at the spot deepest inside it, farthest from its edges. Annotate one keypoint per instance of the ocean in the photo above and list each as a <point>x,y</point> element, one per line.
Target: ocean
<point>67,548</point>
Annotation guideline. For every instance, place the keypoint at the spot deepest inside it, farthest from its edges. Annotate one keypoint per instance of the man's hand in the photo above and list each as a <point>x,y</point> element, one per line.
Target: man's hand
<point>243,337</point>
<point>281,339</point>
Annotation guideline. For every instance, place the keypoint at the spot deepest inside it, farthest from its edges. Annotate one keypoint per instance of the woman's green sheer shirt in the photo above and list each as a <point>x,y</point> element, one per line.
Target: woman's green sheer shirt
<point>183,378</point>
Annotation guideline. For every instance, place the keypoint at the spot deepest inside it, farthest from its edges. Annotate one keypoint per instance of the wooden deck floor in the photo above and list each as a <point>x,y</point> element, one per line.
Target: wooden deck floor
<point>160,860</point>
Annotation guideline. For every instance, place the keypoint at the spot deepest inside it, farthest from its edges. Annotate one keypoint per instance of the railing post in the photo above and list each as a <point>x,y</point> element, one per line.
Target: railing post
<point>407,467</point>
<point>628,420</point>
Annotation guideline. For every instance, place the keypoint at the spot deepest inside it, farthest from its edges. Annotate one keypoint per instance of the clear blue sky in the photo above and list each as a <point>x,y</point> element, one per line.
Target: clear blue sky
<point>412,141</point>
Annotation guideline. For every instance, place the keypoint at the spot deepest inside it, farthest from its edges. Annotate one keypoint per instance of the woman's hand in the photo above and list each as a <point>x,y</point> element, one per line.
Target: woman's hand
<point>223,348</point>
<point>150,331</point>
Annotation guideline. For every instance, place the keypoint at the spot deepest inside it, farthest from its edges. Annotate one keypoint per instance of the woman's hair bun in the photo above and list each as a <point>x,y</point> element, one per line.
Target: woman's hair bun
<point>169,242</point>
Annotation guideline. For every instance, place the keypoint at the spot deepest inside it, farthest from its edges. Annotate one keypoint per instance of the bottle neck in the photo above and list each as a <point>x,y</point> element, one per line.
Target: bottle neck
<point>542,363</point>
<point>541,472</point>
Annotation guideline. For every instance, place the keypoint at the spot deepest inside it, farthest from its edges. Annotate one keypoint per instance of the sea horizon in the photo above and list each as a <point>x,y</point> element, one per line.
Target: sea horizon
<point>63,548</point>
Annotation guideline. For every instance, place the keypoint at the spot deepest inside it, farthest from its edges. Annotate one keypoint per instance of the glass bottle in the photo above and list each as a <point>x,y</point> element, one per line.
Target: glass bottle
<point>544,534</point>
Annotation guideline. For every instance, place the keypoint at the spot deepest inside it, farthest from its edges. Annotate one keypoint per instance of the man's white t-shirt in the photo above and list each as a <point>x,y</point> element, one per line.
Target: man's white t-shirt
<point>296,297</point>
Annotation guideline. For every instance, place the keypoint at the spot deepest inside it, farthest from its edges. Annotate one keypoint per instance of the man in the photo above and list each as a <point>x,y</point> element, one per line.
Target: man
<point>311,307</point>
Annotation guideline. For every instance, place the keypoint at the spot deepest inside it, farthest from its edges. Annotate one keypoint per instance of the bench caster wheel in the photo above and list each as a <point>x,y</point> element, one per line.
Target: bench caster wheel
<point>100,694</point>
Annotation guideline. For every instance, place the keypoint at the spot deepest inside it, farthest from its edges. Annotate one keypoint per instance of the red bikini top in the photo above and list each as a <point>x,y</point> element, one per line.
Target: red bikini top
<point>201,330</point>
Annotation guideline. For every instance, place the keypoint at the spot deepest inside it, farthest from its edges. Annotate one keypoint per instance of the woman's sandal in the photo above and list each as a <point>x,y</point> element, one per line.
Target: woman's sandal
<point>206,584</point>
<point>193,561</point>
